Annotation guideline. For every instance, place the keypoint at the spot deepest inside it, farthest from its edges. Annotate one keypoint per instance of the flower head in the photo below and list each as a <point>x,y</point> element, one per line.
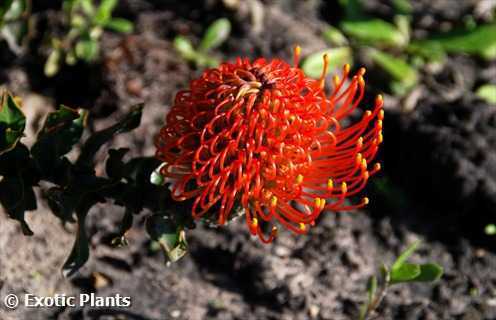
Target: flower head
<point>263,136</point>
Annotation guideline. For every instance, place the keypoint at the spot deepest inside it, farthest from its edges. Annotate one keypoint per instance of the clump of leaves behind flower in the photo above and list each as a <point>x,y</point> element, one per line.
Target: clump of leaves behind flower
<point>84,23</point>
<point>263,137</point>
<point>213,37</point>
<point>74,186</point>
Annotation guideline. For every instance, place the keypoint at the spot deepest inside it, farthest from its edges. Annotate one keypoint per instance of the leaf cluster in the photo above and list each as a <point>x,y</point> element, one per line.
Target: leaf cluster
<point>391,48</point>
<point>74,186</point>
<point>84,24</point>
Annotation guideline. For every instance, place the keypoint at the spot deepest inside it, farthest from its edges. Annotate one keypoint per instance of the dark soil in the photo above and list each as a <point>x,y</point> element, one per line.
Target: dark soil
<point>439,184</point>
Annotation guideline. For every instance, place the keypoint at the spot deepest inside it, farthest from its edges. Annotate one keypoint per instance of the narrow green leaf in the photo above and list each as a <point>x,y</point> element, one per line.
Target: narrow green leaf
<point>4,7</point>
<point>480,41</point>
<point>12,123</point>
<point>334,36</point>
<point>15,10</point>
<point>429,272</point>
<point>52,65</point>
<point>314,63</point>
<point>81,249</point>
<point>185,48</point>
<point>104,11</point>
<point>87,49</point>
<point>405,272</point>
<point>487,92</point>
<point>396,67</point>
<point>374,31</point>
<point>372,288</point>
<point>88,7</point>
<point>403,7</point>
<point>120,25</point>
<point>405,255</point>
<point>216,34</point>
<point>90,148</point>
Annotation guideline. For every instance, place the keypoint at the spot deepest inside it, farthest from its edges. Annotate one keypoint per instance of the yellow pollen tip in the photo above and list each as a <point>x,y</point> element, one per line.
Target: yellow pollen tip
<point>367,113</point>
<point>362,71</point>
<point>365,201</point>
<point>360,142</point>
<point>379,124</point>
<point>299,179</point>
<point>377,166</point>
<point>317,202</point>
<point>359,158</point>
<point>254,223</point>
<point>330,184</point>
<point>361,82</point>
<point>336,80</point>
<point>302,226</point>
<point>322,204</point>
<point>346,68</point>
<point>380,116</point>
<point>364,163</point>
<point>366,175</point>
<point>273,201</point>
<point>297,50</point>
<point>380,138</point>
<point>344,187</point>
<point>379,99</point>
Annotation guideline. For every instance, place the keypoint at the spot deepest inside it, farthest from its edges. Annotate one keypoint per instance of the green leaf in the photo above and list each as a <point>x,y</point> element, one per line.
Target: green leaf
<point>185,48</point>
<point>12,123</point>
<point>372,288</point>
<point>114,166</point>
<point>314,63</point>
<point>487,92</point>
<point>215,35</point>
<point>334,36</point>
<point>396,67</point>
<point>88,7</point>
<point>87,49</point>
<point>81,249</point>
<point>4,7</point>
<point>429,272</point>
<point>405,272</point>
<point>90,148</point>
<point>405,255</point>
<point>403,7</point>
<point>52,65</point>
<point>432,51</point>
<point>490,229</point>
<point>104,11</point>
<point>479,41</point>
<point>120,25</point>
<point>170,236</point>
<point>353,9</point>
<point>16,198</point>
<point>15,10</point>
<point>60,132</point>
<point>375,32</point>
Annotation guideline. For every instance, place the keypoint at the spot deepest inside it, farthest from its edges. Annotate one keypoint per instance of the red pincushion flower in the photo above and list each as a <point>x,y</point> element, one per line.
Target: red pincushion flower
<point>263,136</point>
